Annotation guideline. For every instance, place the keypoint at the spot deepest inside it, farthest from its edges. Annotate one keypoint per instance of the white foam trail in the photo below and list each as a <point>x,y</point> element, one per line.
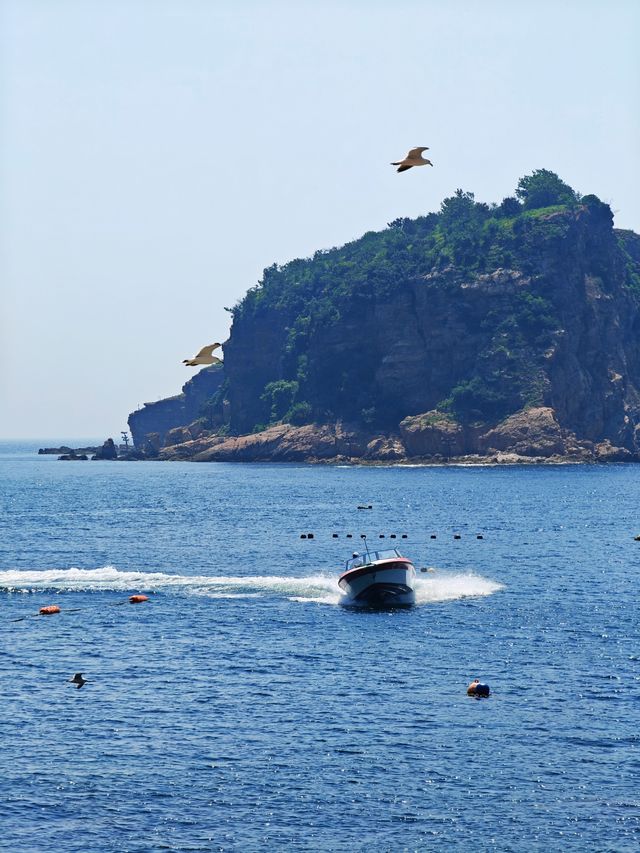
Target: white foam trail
<point>318,588</point>
<point>332,598</point>
<point>73,579</point>
<point>449,586</point>
<point>109,578</point>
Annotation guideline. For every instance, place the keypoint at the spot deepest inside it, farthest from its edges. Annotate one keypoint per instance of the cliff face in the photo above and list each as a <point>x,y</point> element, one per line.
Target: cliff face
<point>559,328</point>
<point>164,415</point>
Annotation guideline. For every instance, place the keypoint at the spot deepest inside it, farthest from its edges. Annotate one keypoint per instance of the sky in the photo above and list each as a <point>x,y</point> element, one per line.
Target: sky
<point>157,155</point>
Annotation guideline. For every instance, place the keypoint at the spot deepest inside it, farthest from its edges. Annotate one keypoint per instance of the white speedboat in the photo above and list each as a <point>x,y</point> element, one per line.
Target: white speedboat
<point>379,579</point>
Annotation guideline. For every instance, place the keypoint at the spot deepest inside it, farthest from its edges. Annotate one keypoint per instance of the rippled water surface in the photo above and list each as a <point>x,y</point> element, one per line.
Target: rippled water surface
<point>243,708</point>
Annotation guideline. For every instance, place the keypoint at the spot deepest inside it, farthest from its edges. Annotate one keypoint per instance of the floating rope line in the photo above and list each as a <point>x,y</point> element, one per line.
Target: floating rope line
<point>54,609</point>
<point>456,536</point>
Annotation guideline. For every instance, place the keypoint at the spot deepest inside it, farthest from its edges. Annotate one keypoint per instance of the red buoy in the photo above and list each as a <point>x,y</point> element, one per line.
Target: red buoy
<point>138,599</point>
<point>49,610</point>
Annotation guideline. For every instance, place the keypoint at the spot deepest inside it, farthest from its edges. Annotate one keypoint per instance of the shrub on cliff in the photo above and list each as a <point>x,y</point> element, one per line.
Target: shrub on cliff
<point>278,397</point>
<point>298,414</point>
<point>479,399</point>
<point>461,227</point>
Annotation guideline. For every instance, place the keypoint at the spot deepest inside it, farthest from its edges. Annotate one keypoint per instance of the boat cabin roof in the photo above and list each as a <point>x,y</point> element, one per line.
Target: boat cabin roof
<point>372,557</point>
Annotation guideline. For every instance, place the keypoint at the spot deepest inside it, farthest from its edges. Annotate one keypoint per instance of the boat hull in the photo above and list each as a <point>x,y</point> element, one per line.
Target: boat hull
<point>388,583</point>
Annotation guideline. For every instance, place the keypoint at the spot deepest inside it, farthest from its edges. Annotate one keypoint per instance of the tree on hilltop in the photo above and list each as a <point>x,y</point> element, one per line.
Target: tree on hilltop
<point>460,221</point>
<point>544,189</point>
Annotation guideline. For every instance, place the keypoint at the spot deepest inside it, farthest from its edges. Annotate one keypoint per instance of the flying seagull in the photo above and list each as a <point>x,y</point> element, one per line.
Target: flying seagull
<point>413,158</point>
<point>204,357</point>
<point>78,680</point>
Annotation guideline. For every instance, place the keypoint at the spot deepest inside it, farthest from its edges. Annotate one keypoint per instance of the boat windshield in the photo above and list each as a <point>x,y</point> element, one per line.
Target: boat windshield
<point>372,557</point>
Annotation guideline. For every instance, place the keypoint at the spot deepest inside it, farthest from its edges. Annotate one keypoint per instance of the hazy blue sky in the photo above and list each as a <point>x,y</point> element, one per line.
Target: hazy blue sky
<point>156,156</point>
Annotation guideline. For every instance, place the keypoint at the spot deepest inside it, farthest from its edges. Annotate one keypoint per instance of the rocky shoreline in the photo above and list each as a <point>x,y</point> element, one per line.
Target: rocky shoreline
<point>108,450</point>
<point>532,436</point>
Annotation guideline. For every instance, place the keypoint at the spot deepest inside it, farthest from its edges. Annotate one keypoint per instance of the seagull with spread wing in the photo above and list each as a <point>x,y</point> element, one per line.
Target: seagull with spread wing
<point>413,158</point>
<point>204,357</point>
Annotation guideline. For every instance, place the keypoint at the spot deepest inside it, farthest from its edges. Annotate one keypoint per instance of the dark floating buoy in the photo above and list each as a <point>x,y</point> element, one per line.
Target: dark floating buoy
<point>349,535</point>
<point>433,536</point>
<point>335,535</point>
<point>138,599</point>
<point>457,536</point>
<point>363,535</point>
<point>365,506</point>
<point>477,688</point>
<point>404,536</point>
<point>392,536</point>
<point>479,536</point>
<point>303,535</point>
<point>49,610</point>
<point>381,535</point>
<point>309,535</point>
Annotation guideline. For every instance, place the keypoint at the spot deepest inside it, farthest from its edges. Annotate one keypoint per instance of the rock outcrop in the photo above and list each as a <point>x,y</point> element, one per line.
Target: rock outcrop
<point>435,434</point>
<point>529,436</point>
<point>533,432</point>
<point>175,412</point>
<point>107,451</point>
<point>279,443</point>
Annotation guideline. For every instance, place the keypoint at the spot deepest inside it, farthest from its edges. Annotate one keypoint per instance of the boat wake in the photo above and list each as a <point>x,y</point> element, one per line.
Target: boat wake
<point>450,586</point>
<point>317,588</point>
<point>110,578</point>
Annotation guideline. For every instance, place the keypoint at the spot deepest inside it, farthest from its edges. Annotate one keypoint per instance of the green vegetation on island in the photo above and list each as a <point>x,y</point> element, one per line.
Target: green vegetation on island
<point>346,291</point>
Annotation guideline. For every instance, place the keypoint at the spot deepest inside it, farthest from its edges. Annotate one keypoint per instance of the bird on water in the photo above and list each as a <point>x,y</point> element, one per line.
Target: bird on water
<point>205,356</point>
<point>413,158</point>
<point>78,680</point>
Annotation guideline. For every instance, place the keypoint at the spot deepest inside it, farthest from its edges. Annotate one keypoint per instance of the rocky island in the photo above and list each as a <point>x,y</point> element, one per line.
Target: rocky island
<point>481,333</point>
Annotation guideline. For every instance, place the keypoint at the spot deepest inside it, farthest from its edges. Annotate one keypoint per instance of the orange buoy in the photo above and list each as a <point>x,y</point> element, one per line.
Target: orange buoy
<point>49,610</point>
<point>138,599</point>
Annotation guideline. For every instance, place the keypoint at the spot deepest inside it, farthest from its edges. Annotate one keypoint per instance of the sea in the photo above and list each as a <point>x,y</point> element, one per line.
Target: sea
<point>243,707</point>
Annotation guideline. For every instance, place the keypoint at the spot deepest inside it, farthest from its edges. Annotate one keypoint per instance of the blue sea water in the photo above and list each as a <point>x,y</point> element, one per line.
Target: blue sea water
<point>243,708</point>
